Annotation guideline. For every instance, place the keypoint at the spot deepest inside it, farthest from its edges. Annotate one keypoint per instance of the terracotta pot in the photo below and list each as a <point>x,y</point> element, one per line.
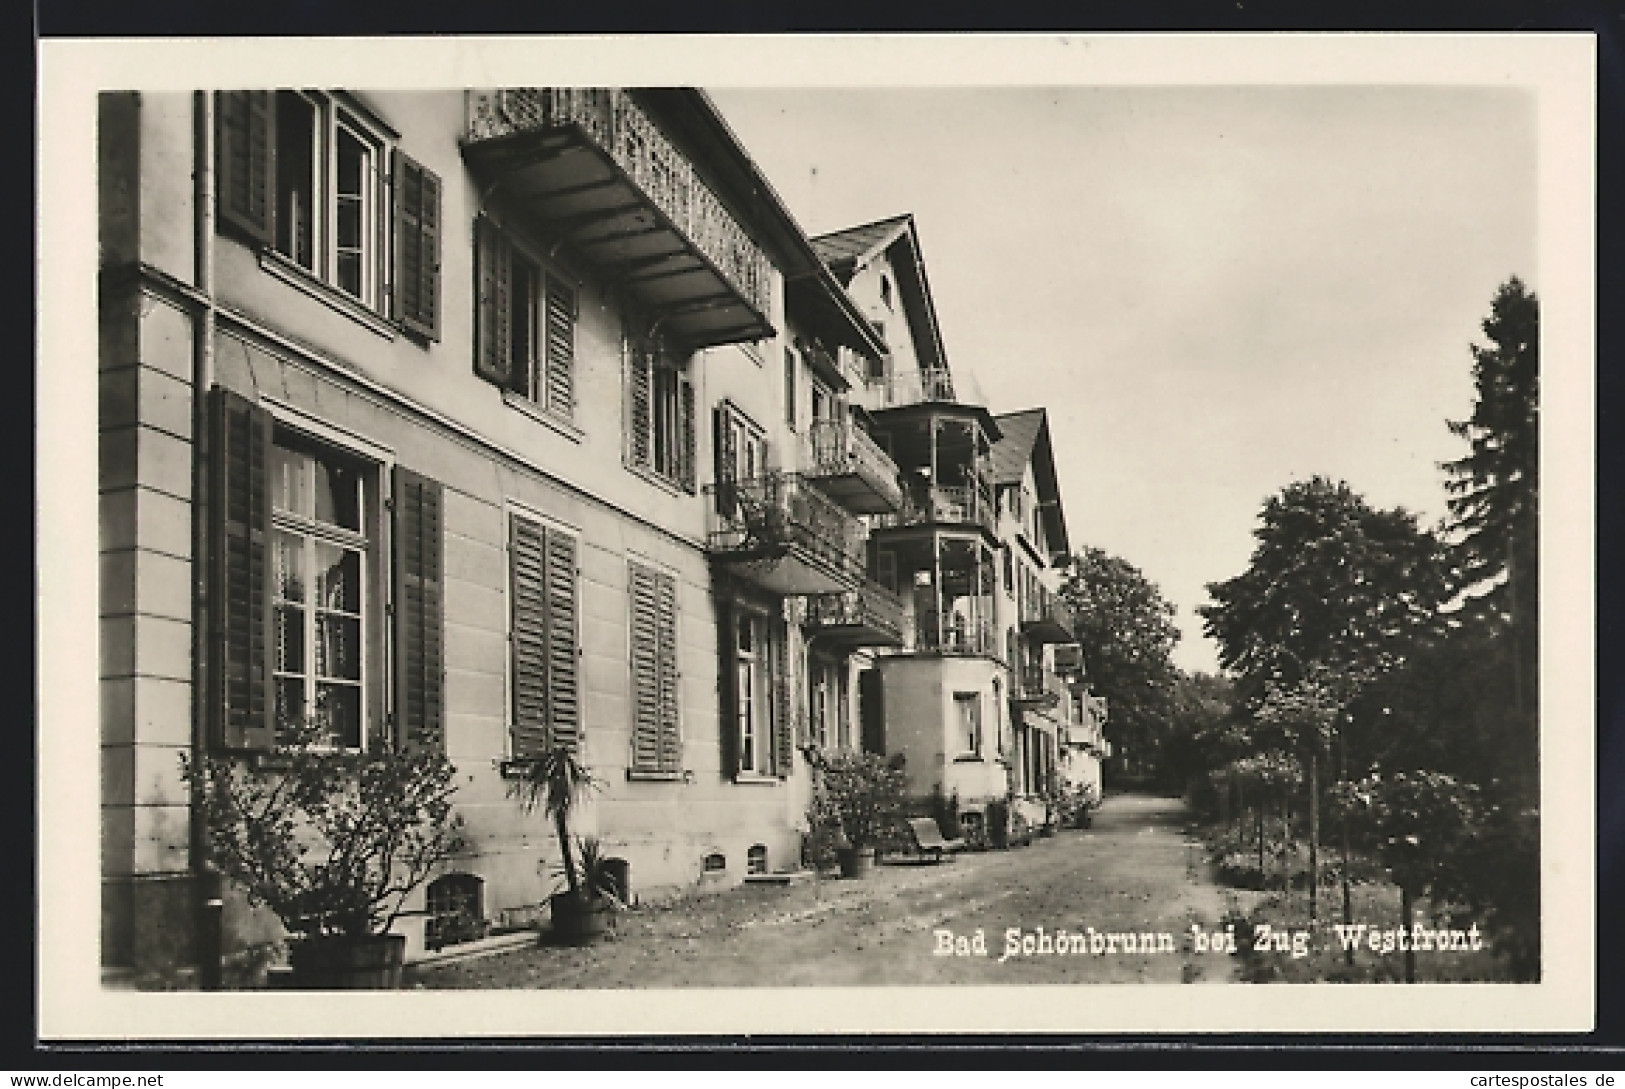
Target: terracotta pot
<point>345,963</point>
<point>856,861</point>
<point>578,920</point>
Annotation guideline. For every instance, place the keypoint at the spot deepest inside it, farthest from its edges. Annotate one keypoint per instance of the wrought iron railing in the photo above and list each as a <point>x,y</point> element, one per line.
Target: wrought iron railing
<point>912,388</point>
<point>958,634</point>
<point>871,605</point>
<point>837,447</point>
<point>968,504</point>
<point>1039,684</point>
<point>766,516</point>
<point>610,118</point>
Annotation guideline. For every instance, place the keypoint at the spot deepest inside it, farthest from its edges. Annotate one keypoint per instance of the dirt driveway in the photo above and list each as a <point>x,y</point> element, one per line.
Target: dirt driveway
<point>1136,872</point>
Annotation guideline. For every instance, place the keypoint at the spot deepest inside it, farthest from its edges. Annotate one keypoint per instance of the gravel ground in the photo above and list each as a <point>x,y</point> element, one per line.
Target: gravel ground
<point>1137,870</point>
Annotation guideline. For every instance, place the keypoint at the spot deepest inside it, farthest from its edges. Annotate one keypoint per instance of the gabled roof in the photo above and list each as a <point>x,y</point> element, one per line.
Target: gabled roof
<point>844,251</point>
<point>1026,442</point>
<point>841,250</point>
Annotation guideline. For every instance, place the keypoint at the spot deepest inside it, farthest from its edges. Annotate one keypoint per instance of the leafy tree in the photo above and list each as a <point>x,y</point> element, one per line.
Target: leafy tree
<point>1128,633</point>
<point>1331,581</point>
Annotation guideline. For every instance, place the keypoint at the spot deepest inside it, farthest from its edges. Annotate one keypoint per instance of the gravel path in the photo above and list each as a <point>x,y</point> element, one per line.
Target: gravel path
<point>1135,871</point>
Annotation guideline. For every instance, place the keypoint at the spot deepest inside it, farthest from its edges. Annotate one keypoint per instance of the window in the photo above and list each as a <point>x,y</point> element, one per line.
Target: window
<point>657,750</point>
<point>660,425</point>
<point>319,557</point>
<point>307,175</point>
<point>524,322</point>
<point>297,589</point>
<point>544,666</point>
<point>823,401</point>
<point>968,714</point>
<point>758,699</point>
<point>739,449</point>
<point>885,290</point>
<point>792,378</point>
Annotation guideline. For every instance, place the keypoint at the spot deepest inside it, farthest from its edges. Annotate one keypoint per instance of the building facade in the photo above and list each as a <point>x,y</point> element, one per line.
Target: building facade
<point>513,418</point>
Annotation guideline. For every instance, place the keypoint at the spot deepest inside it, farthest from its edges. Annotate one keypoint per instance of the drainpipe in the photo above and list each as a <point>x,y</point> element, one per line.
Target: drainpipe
<point>208,885</point>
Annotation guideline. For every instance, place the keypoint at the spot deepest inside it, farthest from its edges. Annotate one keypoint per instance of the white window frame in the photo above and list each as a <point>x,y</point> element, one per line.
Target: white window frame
<point>973,700</point>
<point>756,738</point>
<point>331,118</point>
<point>370,541</point>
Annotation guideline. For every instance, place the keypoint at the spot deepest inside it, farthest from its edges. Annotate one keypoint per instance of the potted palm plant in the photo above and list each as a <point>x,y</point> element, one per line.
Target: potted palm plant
<point>333,842</point>
<point>555,783</point>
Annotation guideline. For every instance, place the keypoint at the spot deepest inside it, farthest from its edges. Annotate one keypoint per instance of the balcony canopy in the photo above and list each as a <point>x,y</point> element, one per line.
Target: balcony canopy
<point>590,169</point>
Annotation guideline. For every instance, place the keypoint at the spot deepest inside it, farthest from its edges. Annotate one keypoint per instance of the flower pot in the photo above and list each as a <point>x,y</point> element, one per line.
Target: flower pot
<point>369,962</point>
<point>578,920</point>
<point>856,861</point>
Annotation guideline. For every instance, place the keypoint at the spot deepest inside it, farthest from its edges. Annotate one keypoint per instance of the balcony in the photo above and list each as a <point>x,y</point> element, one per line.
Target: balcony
<point>590,168</point>
<point>960,635</point>
<point>911,388</point>
<point>927,505</point>
<point>1038,688</point>
<point>852,468</point>
<point>869,616</point>
<point>784,535</point>
<point>1069,659</point>
<point>1044,619</point>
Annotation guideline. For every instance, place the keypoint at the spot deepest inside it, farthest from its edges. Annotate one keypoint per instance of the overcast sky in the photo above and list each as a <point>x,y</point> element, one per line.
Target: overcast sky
<point>1214,291</point>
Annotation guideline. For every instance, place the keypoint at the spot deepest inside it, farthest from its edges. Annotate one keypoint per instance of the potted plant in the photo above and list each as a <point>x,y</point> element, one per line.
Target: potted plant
<point>864,794</point>
<point>556,782</point>
<point>333,842</point>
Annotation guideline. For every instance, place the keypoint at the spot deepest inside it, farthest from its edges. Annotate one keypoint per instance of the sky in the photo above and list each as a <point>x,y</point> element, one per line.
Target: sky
<point>1215,291</point>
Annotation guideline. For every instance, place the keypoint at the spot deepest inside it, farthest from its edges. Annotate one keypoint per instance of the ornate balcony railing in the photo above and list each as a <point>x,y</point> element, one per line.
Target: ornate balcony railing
<point>852,467</point>
<point>611,120</point>
<point>970,504</point>
<point>869,615</point>
<point>911,388</point>
<point>800,540</point>
<point>958,634</point>
<point>1037,685</point>
<point>1047,619</point>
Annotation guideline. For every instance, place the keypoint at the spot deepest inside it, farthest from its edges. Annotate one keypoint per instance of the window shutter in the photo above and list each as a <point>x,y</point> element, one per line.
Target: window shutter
<point>245,142</point>
<point>563,661</point>
<point>645,669</point>
<point>492,276</point>
<point>671,749</point>
<point>240,499</point>
<point>417,246</point>
<point>639,406</point>
<point>419,565</point>
<point>527,562</point>
<point>687,469</point>
<point>784,727</point>
<point>727,689</point>
<point>560,346</point>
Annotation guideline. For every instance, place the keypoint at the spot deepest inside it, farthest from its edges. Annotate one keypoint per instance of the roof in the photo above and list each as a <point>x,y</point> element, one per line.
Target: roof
<point>1026,442</point>
<point>1012,453</point>
<point>843,248</point>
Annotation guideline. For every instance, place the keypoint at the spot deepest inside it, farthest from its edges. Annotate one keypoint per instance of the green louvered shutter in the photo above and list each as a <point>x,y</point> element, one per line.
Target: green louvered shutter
<point>417,247</point>
<point>419,570</point>
<point>639,406</point>
<point>784,728</point>
<point>492,282</point>
<point>527,559</point>
<point>645,646</point>
<point>687,469</point>
<point>239,584</point>
<point>563,652</point>
<point>560,346</point>
<point>671,744</point>
<point>245,143</point>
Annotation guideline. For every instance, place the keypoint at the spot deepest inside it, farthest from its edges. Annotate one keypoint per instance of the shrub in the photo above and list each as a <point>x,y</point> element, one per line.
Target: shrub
<point>333,842</point>
<point>861,794</point>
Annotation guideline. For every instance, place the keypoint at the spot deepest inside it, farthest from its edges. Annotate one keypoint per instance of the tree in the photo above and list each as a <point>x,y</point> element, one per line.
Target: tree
<point>1494,491</point>
<point>1128,633</point>
<point>1331,581</point>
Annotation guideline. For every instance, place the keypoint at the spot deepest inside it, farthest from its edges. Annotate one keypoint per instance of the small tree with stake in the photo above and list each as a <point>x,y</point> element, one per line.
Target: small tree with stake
<point>556,782</point>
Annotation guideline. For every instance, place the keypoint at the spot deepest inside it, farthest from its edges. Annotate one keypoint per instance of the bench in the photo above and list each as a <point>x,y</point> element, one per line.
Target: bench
<point>928,841</point>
